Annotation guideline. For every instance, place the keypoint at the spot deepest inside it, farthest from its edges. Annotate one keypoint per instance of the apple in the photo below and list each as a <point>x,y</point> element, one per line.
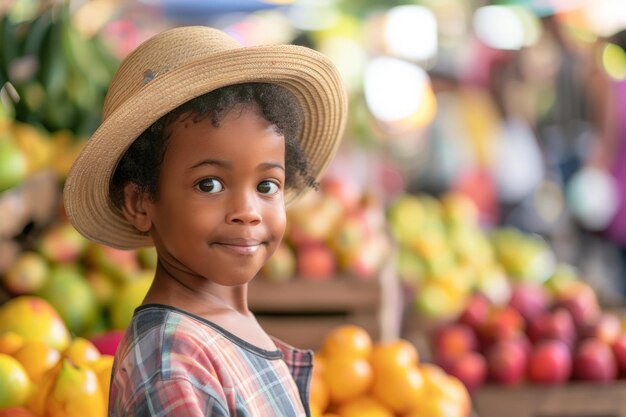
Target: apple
<point>507,361</point>
<point>62,243</point>
<point>502,323</point>
<point>349,238</point>
<point>27,275</point>
<point>13,163</point>
<point>607,327</point>
<point>344,190</point>
<point>550,362</point>
<point>117,263</point>
<point>313,220</point>
<point>581,301</point>
<point>281,266</point>
<point>530,299</point>
<point>370,259</point>
<point>476,311</point>
<point>71,295</point>
<point>594,361</point>
<point>619,351</point>
<point>316,262</point>
<point>453,340</point>
<point>557,324</point>
<point>470,368</point>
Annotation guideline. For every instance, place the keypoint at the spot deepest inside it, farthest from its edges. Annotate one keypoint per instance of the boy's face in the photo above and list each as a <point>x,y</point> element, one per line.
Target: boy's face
<point>219,211</point>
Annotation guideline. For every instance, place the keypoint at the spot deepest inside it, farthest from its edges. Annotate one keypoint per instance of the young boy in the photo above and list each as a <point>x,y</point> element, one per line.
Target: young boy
<point>203,143</point>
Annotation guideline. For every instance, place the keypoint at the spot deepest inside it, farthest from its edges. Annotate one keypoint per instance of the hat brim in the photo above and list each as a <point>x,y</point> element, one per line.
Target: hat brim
<point>307,73</point>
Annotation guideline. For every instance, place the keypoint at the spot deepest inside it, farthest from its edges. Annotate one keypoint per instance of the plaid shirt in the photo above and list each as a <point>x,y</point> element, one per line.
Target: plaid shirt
<point>173,363</point>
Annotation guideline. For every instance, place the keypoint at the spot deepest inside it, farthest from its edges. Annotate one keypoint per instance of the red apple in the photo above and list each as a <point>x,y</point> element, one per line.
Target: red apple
<point>470,368</point>
<point>550,362</point>
<point>529,299</point>
<point>476,311</point>
<point>607,327</point>
<point>581,301</point>
<point>344,190</point>
<point>316,261</point>
<point>502,323</point>
<point>594,361</point>
<point>453,340</point>
<point>507,361</point>
<point>557,324</point>
<point>619,350</point>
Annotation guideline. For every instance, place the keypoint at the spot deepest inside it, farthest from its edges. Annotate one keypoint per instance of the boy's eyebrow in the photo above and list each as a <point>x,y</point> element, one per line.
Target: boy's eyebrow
<point>225,164</point>
<point>270,165</point>
<point>218,162</point>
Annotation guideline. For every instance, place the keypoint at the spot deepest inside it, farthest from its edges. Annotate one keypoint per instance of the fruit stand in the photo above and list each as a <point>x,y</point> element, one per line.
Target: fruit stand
<point>418,296</point>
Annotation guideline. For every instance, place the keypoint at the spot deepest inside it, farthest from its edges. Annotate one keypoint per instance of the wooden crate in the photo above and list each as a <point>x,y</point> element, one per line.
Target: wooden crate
<point>301,312</point>
<point>577,399</point>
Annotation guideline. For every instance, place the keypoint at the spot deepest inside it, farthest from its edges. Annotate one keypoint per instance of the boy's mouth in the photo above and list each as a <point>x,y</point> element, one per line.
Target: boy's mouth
<point>241,246</point>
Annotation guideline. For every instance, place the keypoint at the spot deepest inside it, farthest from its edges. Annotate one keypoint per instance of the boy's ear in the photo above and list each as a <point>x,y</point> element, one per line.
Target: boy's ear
<point>135,207</point>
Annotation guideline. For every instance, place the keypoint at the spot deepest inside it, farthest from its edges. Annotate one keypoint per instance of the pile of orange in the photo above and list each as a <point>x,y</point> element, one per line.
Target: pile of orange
<point>355,377</point>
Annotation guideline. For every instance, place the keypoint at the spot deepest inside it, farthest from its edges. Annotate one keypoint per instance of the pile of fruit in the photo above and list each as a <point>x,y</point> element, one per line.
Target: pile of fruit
<point>43,370</point>
<point>92,287</point>
<point>445,255</point>
<point>339,230</point>
<point>544,334</point>
<point>356,377</point>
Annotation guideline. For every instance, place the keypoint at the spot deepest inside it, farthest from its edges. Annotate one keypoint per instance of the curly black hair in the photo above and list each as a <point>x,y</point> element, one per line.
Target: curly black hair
<point>141,163</point>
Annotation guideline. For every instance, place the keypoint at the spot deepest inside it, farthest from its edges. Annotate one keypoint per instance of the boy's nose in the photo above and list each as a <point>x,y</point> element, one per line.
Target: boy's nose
<point>243,211</point>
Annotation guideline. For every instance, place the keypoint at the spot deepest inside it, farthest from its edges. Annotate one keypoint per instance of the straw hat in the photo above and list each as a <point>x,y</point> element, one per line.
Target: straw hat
<point>168,70</point>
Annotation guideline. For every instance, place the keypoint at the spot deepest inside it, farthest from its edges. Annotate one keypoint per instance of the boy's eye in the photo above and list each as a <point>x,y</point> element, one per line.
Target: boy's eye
<point>210,185</point>
<point>267,187</point>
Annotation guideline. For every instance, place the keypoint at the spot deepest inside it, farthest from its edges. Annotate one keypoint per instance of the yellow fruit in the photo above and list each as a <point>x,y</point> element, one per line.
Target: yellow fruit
<point>347,377</point>
<point>10,342</point>
<point>14,381</point>
<point>82,352</point>
<point>128,298</point>
<point>399,389</point>
<point>33,318</point>
<point>76,393</point>
<point>36,357</point>
<point>37,402</point>
<point>364,407</point>
<point>103,368</point>
<point>349,340</point>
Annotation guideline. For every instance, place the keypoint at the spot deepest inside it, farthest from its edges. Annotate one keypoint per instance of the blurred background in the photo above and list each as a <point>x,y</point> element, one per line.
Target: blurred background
<point>485,157</point>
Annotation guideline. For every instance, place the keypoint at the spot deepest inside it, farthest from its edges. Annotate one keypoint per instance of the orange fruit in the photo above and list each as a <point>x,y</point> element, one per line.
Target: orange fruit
<point>445,395</point>
<point>364,407</point>
<point>82,352</point>
<point>319,363</point>
<point>439,407</point>
<point>347,340</point>
<point>319,392</point>
<point>347,377</point>
<point>397,353</point>
<point>400,389</point>
<point>36,357</point>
